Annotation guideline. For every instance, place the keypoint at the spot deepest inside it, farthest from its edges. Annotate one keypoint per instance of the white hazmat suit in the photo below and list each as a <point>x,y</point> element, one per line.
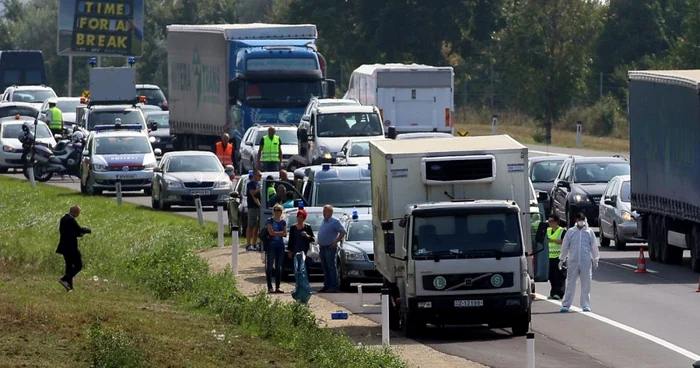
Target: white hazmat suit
<point>580,251</point>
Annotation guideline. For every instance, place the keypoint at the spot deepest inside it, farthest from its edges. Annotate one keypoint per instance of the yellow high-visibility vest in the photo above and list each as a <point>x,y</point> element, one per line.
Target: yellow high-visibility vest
<point>554,248</point>
<point>271,149</point>
<point>56,119</point>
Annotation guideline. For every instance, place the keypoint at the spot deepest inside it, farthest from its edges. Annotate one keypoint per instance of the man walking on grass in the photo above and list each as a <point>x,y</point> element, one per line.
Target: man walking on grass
<point>330,234</point>
<point>70,231</point>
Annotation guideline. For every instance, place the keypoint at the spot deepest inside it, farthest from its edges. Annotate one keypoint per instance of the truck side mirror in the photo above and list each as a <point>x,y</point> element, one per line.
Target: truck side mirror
<point>388,225</point>
<point>330,88</point>
<point>541,232</point>
<point>389,247</point>
<point>233,90</point>
<point>391,132</point>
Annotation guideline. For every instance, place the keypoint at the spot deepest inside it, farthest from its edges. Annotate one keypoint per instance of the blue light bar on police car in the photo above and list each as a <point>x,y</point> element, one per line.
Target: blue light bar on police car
<point>104,128</point>
<point>354,215</point>
<point>93,60</point>
<point>369,166</point>
<point>301,205</point>
<point>131,60</point>
<point>326,167</point>
<point>250,174</point>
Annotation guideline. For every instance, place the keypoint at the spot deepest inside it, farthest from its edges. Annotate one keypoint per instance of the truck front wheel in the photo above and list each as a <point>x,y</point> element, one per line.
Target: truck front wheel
<point>411,325</point>
<point>521,326</point>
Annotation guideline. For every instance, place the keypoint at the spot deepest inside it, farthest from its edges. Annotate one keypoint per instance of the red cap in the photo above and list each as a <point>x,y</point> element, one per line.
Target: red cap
<point>302,213</point>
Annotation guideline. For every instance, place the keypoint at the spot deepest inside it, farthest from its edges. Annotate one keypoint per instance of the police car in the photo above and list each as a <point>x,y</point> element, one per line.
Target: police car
<point>117,153</point>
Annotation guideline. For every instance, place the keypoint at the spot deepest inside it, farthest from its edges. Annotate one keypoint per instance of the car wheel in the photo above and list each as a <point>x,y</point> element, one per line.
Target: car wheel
<point>521,327</point>
<point>147,191</point>
<point>619,244</point>
<point>604,242</point>
<point>411,326</point>
<point>345,284</point>
<point>155,204</point>
<point>3,170</point>
<point>90,189</point>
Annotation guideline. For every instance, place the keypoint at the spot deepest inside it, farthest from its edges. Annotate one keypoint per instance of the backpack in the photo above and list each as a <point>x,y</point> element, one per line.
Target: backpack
<point>264,236</point>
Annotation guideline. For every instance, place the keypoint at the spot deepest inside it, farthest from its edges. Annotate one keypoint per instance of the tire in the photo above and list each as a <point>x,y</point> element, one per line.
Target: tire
<point>604,242</point>
<point>155,204</point>
<point>651,238</point>
<point>619,244</point>
<point>42,177</point>
<point>147,191</point>
<point>411,326</point>
<point>521,327</point>
<point>694,245</point>
<point>345,284</point>
<point>89,189</point>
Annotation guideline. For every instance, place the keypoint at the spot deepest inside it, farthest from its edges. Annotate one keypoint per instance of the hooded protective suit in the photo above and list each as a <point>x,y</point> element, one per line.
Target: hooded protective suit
<point>580,251</point>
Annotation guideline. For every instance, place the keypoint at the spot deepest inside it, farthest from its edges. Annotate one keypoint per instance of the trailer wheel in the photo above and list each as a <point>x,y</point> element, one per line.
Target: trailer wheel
<point>651,238</point>
<point>669,254</point>
<point>694,245</point>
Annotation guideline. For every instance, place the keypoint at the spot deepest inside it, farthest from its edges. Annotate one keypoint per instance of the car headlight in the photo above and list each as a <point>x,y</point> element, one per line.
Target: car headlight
<point>325,152</point>
<point>7,148</point>
<point>222,184</point>
<point>626,216</point>
<point>173,183</point>
<point>581,198</point>
<point>151,166</point>
<point>99,168</point>
<point>153,139</point>
<point>354,256</point>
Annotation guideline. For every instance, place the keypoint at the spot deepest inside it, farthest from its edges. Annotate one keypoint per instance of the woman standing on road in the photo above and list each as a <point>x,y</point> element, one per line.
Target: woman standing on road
<point>277,229</point>
<point>300,235</point>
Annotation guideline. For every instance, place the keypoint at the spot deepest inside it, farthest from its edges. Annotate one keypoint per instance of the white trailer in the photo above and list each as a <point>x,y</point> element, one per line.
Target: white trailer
<point>455,246</point>
<point>411,97</point>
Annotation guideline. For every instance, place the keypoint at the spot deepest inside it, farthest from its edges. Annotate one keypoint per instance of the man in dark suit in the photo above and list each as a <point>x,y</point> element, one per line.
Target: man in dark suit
<point>68,246</point>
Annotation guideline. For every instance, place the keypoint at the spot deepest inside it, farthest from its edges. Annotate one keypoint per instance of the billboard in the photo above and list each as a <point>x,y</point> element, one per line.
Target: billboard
<point>98,27</point>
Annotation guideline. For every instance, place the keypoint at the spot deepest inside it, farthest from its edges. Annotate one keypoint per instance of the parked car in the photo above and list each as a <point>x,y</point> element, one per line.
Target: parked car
<point>356,256</point>
<point>154,95</point>
<point>10,130</point>
<point>543,171</point>
<point>161,137</point>
<point>580,185</point>
<point>617,220</point>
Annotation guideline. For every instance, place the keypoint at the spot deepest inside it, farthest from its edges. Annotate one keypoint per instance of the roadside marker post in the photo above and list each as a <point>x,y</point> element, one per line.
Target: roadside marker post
<point>530,350</point>
<point>118,187</point>
<point>494,124</point>
<point>220,221</point>
<point>579,130</point>
<point>234,250</point>
<point>198,205</point>
<point>385,316</point>
<point>30,173</point>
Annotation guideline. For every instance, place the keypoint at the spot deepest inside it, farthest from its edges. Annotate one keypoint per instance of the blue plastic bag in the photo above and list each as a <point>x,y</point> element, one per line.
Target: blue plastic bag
<point>302,291</point>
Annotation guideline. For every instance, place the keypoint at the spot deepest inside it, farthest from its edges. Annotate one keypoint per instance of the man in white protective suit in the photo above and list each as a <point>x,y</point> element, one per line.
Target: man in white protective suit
<point>580,252</point>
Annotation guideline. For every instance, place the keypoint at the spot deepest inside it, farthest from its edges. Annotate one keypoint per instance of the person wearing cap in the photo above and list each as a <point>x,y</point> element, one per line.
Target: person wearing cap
<point>270,151</point>
<point>300,235</point>
<point>54,118</point>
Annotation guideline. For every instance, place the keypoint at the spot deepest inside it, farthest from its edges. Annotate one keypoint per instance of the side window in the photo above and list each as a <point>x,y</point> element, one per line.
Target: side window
<point>289,189</point>
<point>566,171</point>
<point>615,188</point>
<point>308,190</point>
<point>608,190</point>
<point>163,163</point>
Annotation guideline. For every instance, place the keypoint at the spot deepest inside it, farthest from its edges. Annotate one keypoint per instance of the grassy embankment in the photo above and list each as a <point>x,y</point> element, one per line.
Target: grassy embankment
<point>527,131</point>
<point>155,303</point>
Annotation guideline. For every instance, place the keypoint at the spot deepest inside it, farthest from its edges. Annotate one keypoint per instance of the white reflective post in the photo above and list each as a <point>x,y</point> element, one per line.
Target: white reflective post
<point>494,124</point>
<point>385,316</point>
<point>530,350</point>
<point>220,220</point>
<point>579,130</point>
<point>118,187</point>
<point>198,205</point>
<point>234,250</point>
<point>360,297</point>
<point>30,173</point>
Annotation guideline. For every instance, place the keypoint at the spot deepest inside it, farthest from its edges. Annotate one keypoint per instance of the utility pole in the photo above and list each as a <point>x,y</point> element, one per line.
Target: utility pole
<point>601,85</point>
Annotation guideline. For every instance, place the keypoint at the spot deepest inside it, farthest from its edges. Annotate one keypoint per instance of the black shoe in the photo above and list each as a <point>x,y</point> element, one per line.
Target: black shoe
<point>65,285</point>
<point>323,290</point>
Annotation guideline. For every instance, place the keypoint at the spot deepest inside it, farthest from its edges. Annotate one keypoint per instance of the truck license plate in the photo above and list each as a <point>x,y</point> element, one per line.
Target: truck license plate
<point>123,177</point>
<point>469,303</point>
<point>200,192</point>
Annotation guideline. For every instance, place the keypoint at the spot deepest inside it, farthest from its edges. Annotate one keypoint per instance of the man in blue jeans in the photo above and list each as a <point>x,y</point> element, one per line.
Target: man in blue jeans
<point>330,234</point>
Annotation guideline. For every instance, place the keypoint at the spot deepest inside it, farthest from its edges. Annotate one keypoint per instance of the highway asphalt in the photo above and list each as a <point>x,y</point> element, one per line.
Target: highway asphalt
<point>638,320</point>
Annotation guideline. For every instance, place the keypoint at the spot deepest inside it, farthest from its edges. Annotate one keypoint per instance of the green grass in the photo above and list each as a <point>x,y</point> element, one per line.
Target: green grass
<point>146,253</point>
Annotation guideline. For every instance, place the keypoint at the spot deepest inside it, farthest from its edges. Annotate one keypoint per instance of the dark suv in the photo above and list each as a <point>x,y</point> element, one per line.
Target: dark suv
<point>580,185</point>
<point>154,96</point>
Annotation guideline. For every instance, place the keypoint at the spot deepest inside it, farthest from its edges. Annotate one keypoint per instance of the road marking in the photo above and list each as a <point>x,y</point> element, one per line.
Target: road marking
<point>635,267</point>
<point>629,329</point>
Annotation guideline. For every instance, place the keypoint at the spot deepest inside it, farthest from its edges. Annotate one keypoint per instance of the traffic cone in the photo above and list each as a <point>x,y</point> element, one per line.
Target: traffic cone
<point>641,263</point>
<point>698,290</point>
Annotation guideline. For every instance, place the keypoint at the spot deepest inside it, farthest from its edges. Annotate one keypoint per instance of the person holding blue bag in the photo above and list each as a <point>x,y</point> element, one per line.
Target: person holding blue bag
<point>276,231</point>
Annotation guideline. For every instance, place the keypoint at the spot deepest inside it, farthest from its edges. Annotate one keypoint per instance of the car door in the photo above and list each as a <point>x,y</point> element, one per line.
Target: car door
<point>85,159</point>
<point>157,181</point>
<point>606,212</point>
<point>559,195</point>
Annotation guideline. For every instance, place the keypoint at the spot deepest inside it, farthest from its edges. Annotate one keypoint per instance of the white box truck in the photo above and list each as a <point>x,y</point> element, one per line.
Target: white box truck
<point>452,231</point>
<point>410,97</point>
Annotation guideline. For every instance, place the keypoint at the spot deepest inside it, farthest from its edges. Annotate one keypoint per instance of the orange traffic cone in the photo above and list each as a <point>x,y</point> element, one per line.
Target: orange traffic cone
<point>641,263</point>
<point>698,290</point>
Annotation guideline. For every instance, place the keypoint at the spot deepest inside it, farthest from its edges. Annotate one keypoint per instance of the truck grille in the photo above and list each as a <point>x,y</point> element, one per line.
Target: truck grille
<point>121,168</point>
<point>204,184</point>
<point>457,281</point>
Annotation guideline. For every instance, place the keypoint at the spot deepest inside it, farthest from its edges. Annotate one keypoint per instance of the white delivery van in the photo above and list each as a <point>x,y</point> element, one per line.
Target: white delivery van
<point>410,97</point>
<point>452,231</point>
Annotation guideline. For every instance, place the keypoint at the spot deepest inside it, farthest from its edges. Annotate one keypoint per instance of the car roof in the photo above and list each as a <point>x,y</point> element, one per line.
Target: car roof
<point>549,158</point>
<point>114,108</point>
<point>360,217</point>
<point>32,87</point>
<point>147,86</point>
<point>188,153</point>
<point>307,209</point>
<point>120,133</point>
<point>624,177</point>
<point>19,103</point>
<point>597,159</point>
<point>424,135</point>
<point>339,173</point>
<point>10,120</point>
<point>66,98</point>
<point>346,101</point>
<point>276,126</point>
<point>346,109</point>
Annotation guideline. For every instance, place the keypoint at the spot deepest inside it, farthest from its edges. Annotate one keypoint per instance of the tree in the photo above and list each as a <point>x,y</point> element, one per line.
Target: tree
<point>545,49</point>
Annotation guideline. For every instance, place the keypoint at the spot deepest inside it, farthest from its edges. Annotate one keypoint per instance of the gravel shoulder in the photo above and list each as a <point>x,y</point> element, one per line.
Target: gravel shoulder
<point>251,280</point>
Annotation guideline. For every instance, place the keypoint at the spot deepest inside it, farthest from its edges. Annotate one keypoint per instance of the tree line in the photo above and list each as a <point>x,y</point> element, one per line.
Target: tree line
<point>554,61</point>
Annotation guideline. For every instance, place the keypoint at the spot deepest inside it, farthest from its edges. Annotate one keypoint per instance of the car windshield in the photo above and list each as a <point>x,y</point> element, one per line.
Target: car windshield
<point>67,105</point>
<point>348,125</point>
<point>625,192</point>
<point>14,131</point>
<point>122,145</point>
<point>465,233</point>
<point>153,96</point>
<point>287,136</point>
<point>345,193</point>
<point>6,111</point>
<point>107,117</point>
<point>359,149</point>
<point>360,231</point>
<point>599,172</point>
<point>33,96</point>
<point>161,119</point>
<point>194,163</point>
<point>545,171</point>
<point>294,93</point>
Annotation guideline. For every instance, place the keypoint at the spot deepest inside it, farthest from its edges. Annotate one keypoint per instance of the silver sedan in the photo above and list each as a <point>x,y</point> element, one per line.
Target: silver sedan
<point>182,175</point>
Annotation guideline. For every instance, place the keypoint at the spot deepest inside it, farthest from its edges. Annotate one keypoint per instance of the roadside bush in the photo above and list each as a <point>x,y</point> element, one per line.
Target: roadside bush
<point>604,118</point>
<point>112,348</point>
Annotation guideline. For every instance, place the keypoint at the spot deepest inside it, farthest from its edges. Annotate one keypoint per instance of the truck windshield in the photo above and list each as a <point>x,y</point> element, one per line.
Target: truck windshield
<point>348,125</point>
<point>344,193</point>
<point>98,117</point>
<point>482,235</point>
<point>290,93</point>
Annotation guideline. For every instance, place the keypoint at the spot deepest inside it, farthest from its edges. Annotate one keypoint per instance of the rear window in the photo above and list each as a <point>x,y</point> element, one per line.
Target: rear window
<point>545,171</point>
<point>108,117</point>
<point>33,96</point>
<point>161,119</point>
<point>14,130</point>
<point>67,105</point>
<point>153,96</point>
<point>6,111</point>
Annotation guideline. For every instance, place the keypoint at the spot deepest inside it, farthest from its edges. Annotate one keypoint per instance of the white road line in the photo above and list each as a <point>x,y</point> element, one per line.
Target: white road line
<point>629,329</point>
<point>635,267</point>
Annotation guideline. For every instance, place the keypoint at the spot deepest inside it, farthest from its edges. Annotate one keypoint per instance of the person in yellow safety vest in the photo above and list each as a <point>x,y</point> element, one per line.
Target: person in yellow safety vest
<point>557,277</point>
<point>54,118</point>
<point>224,151</point>
<point>270,152</point>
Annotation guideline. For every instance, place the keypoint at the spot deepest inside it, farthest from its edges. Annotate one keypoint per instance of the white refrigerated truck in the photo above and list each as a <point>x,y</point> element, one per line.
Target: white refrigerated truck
<point>452,231</point>
<point>410,97</point>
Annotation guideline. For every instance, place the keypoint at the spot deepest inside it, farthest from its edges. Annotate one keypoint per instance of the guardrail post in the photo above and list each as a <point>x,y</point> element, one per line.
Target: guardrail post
<point>494,124</point>
<point>32,180</point>
<point>530,350</point>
